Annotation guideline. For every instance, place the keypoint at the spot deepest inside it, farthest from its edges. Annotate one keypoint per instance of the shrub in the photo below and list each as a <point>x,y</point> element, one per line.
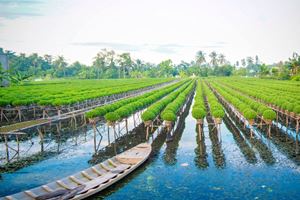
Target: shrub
<point>269,114</point>
<point>112,117</point>
<point>296,109</point>
<point>123,112</point>
<point>261,109</point>
<point>198,113</point>
<point>250,114</point>
<point>169,116</point>
<point>4,102</point>
<point>148,115</point>
<point>218,113</point>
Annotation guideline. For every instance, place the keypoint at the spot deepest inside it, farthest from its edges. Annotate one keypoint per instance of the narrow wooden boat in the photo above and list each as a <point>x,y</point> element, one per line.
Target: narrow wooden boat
<point>90,181</point>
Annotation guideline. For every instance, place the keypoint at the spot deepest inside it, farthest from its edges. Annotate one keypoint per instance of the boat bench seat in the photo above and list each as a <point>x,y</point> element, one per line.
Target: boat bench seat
<point>120,168</point>
<point>98,181</point>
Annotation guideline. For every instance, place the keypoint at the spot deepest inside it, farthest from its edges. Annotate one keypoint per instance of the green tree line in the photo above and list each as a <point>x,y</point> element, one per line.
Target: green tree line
<point>108,64</point>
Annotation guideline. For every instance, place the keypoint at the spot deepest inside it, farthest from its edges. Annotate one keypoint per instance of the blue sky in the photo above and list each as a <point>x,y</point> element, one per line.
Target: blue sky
<point>152,30</point>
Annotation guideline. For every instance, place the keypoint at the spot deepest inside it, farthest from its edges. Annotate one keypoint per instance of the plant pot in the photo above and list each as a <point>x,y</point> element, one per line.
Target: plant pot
<point>200,121</point>
<point>293,114</point>
<point>286,112</point>
<point>110,123</point>
<point>268,121</point>
<point>148,123</point>
<point>168,124</point>
<point>92,121</point>
<point>251,121</point>
<point>218,120</point>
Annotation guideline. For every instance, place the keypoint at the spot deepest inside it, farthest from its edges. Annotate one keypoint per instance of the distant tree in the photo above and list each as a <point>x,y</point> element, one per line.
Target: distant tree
<point>60,64</point>
<point>99,63</point>
<point>213,59</point>
<point>243,61</point>
<point>126,63</point>
<point>221,59</point>
<point>200,58</point>
<point>294,64</point>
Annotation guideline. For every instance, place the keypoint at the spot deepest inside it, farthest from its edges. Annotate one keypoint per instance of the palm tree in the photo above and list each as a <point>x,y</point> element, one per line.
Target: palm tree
<point>243,61</point>
<point>213,58</point>
<point>200,58</point>
<point>61,64</point>
<point>294,63</point>
<point>99,63</point>
<point>125,62</point>
<point>222,59</point>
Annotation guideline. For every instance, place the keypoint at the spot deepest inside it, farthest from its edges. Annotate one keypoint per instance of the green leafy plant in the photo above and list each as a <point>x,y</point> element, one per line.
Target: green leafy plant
<point>198,113</point>
<point>111,117</point>
<point>269,114</point>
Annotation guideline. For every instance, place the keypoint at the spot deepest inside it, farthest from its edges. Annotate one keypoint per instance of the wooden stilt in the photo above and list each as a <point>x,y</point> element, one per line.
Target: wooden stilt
<point>277,118</point>
<point>58,141</point>
<point>18,145</point>
<point>6,148</point>
<point>19,114</point>
<point>297,125</point>
<point>108,135</point>
<point>147,132</point>
<point>95,138</point>
<point>34,112</point>
<point>269,131</point>
<point>126,125</point>
<point>41,139</point>
<point>200,131</point>
<point>3,115</point>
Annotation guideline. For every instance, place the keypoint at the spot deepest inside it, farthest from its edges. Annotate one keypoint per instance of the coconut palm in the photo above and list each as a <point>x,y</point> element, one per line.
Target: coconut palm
<point>200,58</point>
<point>213,58</point>
<point>60,64</point>
<point>221,59</point>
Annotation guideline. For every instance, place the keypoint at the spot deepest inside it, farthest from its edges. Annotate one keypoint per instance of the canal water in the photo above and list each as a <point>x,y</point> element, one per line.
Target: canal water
<point>229,165</point>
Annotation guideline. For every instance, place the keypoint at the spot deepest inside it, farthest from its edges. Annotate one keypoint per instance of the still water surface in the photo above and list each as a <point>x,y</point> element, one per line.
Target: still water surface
<point>232,166</point>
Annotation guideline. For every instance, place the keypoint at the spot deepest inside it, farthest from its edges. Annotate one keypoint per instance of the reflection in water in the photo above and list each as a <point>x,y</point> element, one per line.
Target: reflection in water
<point>200,150</point>
<point>172,146</point>
<point>159,137</point>
<point>288,145</point>
<point>264,151</point>
<point>56,137</point>
<point>121,144</point>
<point>218,155</point>
<point>247,151</point>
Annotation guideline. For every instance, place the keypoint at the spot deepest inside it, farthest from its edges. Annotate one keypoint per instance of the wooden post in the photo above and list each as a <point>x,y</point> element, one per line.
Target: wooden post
<point>34,112</point>
<point>44,113</point>
<point>126,124</point>
<point>58,131</point>
<point>6,148</point>
<point>41,139</point>
<point>3,115</point>
<point>95,139</point>
<point>200,131</point>
<point>147,132</point>
<point>134,120</point>
<point>297,125</point>
<point>108,135</point>
<point>19,114</point>
<point>269,130</point>
<point>277,118</point>
<point>18,145</point>
<point>59,113</point>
